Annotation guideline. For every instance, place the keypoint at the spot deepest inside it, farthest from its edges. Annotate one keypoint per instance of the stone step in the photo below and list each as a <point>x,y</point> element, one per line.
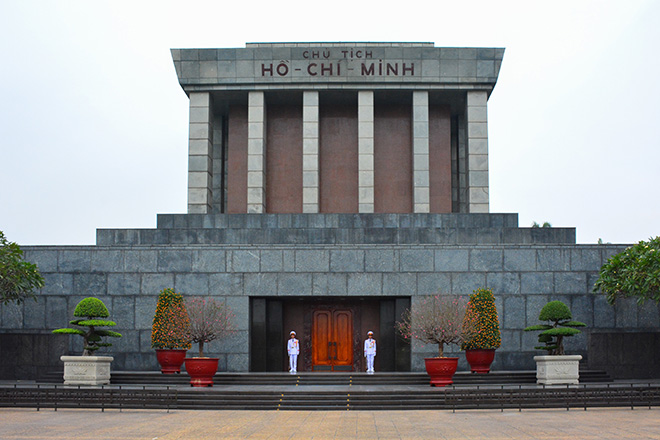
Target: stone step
<point>334,236</point>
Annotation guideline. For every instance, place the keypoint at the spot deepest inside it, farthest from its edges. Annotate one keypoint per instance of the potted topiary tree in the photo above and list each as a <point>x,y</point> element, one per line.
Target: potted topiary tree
<point>556,367</point>
<point>169,331</point>
<point>480,349</point>
<point>439,320</point>
<point>209,320</point>
<point>89,369</point>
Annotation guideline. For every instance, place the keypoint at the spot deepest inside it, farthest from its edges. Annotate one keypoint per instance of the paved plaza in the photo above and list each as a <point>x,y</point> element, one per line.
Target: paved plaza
<point>601,424</point>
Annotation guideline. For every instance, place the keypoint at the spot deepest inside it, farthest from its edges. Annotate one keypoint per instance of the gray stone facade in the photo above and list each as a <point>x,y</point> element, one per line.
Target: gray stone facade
<point>127,276</point>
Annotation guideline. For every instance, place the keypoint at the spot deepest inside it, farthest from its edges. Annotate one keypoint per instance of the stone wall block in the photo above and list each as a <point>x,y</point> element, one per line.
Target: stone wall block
<point>582,309</point>
<point>140,261</point>
<point>626,313</point>
<point>294,284</point>
<point>244,261</point>
<point>227,284</point>
<point>485,260</point>
<point>209,261</point>
<point>534,305</point>
<point>56,312</point>
<point>74,261</point>
<point>348,260</point>
<point>312,260</point>
<point>153,283</point>
<point>585,259</point>
<point>174,261</point>
<point>553,259</point>
<point>34,313</point>
<point>465,283</point>
<point>433,283</point>
<point>604,316</point>
<point>57,284</point>
<point>380,260</point>
<point>240,307</point>
<point>514,312</point>
<point>366,284</point>
<point>570,282</point>
<point>46,260</point>
<point>123,284</point>
<point>192,284</point>
<point>536,283</point>
<point>520,260</point>
<point>400,284</point>
<point>511,341</point>
<point>648,315</point>
<point>416,260</point>
<point>123,312</point>
<point>145,308</point>
<point>89,284</point>
<point>451,260</point>
<point>107,261</point>
<point>260,284</point>
<point>503,283</point>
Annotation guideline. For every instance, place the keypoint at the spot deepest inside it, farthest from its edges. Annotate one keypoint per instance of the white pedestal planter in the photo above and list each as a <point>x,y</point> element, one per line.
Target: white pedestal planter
<point>86,370</point>
<point>553,370</point>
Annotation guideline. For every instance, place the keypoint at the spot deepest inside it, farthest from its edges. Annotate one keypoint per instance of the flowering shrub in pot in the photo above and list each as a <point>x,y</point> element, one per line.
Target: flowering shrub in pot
<point>480,349</point>
<point>169,331</point>
<point>209,320</point>
<point>439,320</point>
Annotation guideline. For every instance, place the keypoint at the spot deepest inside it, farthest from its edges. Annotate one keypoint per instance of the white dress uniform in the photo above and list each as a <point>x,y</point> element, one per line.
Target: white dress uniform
<point>370,353</point>
<point>293,348</point>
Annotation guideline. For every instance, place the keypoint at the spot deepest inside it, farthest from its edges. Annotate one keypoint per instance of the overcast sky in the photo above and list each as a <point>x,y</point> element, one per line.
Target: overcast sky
<point>94,125</point>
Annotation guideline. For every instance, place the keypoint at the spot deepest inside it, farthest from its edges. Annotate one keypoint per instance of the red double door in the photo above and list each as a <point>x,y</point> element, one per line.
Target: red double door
<point>332,340</point>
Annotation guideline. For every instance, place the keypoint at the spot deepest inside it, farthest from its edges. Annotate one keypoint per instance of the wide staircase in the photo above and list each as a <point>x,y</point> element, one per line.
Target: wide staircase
<point>336,391</point>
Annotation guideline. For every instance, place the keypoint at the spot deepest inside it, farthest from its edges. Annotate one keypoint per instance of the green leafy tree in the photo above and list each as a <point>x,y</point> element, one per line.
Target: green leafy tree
<point>635,272</point>
<point>18,278</point>
<point>482,303</point>
<point>170,325</point>
<point>560,325</point>
<point>88,311</point>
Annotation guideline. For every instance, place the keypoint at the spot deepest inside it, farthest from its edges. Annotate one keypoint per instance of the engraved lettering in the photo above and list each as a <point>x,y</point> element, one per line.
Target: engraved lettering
<point>368,54</point>
<point>309,69</point>
<point>265,69</point>
<point>282,69</point>
<point>393,68</point>
<point>367,71</point>
<point>410,69</point>
<point>326,54</point>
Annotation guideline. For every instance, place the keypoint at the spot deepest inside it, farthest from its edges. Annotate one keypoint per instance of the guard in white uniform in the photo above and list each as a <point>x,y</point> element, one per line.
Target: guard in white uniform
<point>370,351</point>
<point>293,348</point>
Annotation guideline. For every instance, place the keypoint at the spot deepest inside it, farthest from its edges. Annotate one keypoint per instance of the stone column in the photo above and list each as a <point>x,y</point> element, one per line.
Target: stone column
<point>477,138</point>
<point>256,163</point>
<point>310,171</point>
<point>200,151</point>
<point>366,151</point>
<point>421,180</point>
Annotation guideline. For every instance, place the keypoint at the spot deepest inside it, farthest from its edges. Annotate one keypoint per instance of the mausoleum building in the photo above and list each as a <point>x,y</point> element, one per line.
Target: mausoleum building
<point>330,187</point>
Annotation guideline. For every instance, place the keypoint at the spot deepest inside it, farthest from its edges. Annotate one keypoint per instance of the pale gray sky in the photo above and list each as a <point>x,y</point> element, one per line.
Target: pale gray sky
<point>93,123</point>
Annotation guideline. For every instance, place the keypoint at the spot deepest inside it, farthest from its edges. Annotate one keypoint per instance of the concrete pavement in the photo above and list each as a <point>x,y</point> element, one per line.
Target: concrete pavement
<point>88,424</point>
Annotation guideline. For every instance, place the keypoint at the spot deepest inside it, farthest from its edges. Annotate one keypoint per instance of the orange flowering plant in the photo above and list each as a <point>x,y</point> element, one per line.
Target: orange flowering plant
<point>170,324</point>
<point>438,320</point>
<point>482,303</point>
<point>209,320</point>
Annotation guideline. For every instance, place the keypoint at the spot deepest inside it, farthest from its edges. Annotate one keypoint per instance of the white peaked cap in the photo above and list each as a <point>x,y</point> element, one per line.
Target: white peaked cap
<point>292,332</point>
<point>370,333</point>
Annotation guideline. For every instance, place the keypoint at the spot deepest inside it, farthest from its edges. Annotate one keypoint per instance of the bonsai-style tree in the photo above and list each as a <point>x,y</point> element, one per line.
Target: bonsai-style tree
<point>170,324</point>
<point>438,320</point>
<point>482,304</point>
<point>18,278</point>
<point>88,311</point>
<point>560,325</point>
<point>209,320</point>
<point>635,272</point>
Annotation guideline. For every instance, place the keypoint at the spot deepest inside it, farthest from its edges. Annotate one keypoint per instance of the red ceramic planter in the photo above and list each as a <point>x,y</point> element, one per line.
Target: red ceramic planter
<point>170,360</point>
<point>441,370</point>
<point>201,371</point>
<point>480,359</point>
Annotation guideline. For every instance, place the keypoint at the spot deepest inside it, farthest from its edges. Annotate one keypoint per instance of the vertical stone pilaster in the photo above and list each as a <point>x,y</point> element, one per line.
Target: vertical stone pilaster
<point>421,178</point>
<point>256,163</point>
<point>310,171</point>
<point>366,151</point>
<point>200,154</point>
<point>477,137</point>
